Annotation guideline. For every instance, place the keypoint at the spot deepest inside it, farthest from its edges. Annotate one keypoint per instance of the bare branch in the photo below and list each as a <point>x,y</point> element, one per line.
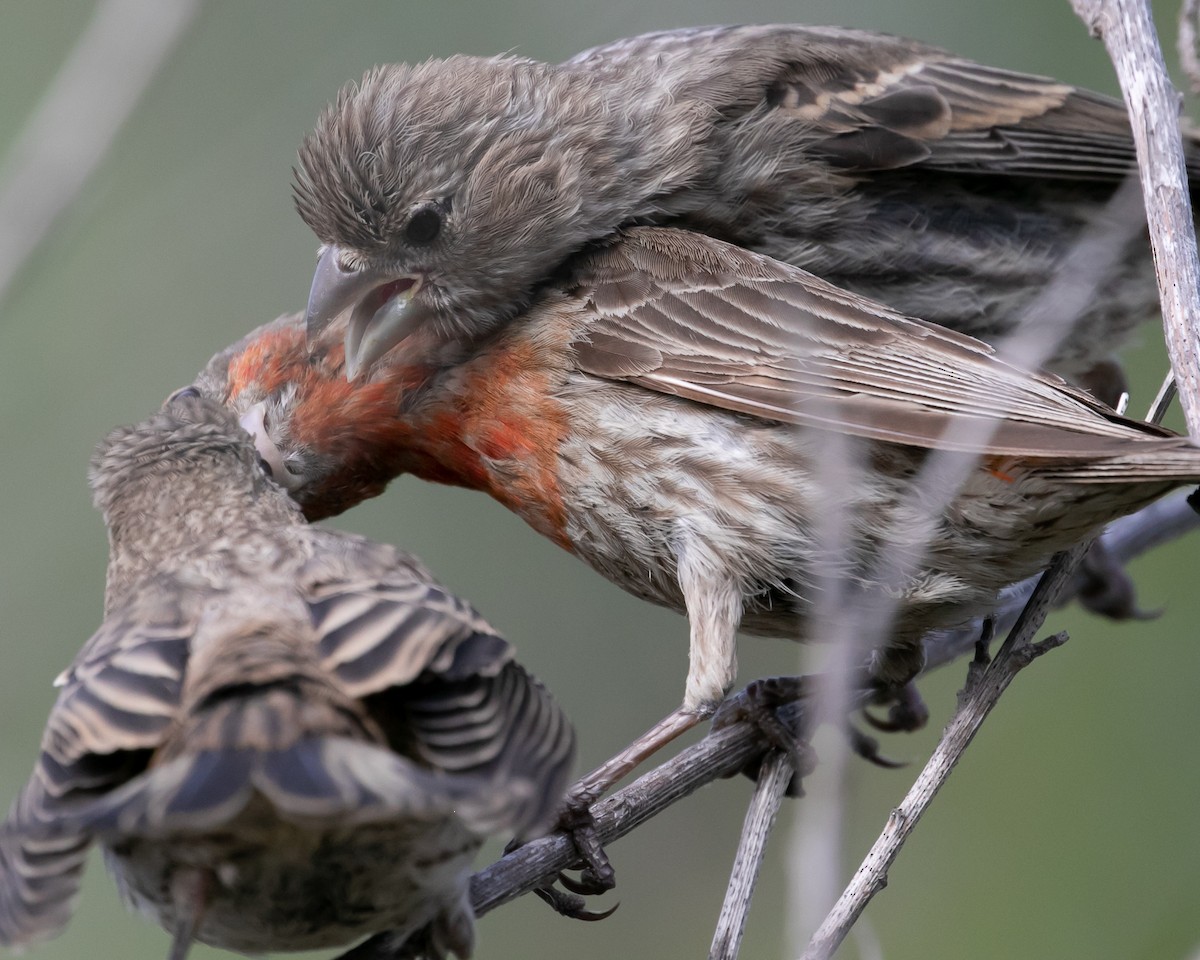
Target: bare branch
<point>773,778</point>
<point>853,618</point>
<point>1127,29</point>
<point>1165,195</point>
<point>1162,400</point>
<point>74,126</point>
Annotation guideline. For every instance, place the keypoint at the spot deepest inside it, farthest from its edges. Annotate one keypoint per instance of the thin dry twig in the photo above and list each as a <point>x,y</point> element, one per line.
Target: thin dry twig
<point>1127,29</point>
<point>853,618</point>
<point>860,619</point>
<point>74,126</point>
<point>773,778</point>
<point>1128,33</point>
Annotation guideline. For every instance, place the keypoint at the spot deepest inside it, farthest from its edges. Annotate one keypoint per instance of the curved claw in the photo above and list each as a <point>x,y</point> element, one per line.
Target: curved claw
<point>598,874</point>
<point>868,748</point>
<point>1107,589</point>
<point>890,724</point>
<point>572,906</point>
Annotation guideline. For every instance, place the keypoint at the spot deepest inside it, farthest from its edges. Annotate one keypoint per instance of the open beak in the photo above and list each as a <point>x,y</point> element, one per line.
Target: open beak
<point>383,312</point>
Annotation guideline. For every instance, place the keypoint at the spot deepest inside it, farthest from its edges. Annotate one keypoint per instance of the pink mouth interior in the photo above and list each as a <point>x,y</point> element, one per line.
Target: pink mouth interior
<point>382,294</point>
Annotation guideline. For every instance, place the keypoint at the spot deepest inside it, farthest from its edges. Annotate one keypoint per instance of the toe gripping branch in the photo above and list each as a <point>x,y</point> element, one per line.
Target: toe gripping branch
<point>1104,587</point>
<point>781,709</point>
<point>596,876</point>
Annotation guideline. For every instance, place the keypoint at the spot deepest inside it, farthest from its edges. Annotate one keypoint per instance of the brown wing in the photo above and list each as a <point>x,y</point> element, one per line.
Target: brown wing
<point>686,315</point>
<point>438,674</point>
<point>868,101</point>
<point>382,620</point>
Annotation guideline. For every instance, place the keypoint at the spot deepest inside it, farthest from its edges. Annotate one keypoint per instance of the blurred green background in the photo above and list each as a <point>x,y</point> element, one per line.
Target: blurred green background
<point>1070,829</point>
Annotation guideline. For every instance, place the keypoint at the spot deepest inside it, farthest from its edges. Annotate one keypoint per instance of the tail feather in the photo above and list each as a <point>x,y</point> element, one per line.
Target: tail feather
<point>1172,461</point>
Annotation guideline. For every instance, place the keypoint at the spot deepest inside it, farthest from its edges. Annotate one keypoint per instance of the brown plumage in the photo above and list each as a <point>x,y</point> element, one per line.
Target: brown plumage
<point>284,738</point>
<point>449,193</point>
<point>661,411</point>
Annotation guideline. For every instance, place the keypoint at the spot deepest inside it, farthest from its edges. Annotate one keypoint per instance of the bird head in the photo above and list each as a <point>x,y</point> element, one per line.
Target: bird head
<point>330,442</point>
<point>192,452</point>
<point>445,193</point>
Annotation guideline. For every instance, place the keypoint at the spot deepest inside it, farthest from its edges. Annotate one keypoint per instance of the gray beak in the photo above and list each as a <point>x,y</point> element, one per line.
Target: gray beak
<point>383,312</point>
<point>333,290</point>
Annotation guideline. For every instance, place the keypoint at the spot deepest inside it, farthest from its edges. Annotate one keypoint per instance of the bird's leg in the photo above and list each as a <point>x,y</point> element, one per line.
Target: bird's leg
<point>590,788</point>
<point>190,890</point>
<point>714,607</point>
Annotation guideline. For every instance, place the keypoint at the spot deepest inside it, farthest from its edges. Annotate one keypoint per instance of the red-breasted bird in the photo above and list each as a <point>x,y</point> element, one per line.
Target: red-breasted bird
<point>660,411</point>
<point>448,194</point>
<point>284,738</point>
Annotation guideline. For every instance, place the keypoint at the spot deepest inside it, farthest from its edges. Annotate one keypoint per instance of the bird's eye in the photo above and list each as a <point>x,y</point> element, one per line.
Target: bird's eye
<point>423,225</point>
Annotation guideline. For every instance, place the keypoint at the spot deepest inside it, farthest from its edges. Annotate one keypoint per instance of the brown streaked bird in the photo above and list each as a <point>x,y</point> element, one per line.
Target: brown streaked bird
<point>448,194</point>
<point>646,414</point>
<point>284,738</point>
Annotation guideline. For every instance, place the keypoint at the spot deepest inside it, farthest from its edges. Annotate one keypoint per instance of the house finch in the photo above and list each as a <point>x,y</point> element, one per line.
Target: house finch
<point>645,413</point>
<point>447,194</point>
<point>284,738</point>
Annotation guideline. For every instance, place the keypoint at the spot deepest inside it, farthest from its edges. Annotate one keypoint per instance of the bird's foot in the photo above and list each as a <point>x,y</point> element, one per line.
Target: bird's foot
<point>774,706</point>
<point>1107,589</point>
<point>1106,381</point>
<point>596,875</point>
<point>906,709</point>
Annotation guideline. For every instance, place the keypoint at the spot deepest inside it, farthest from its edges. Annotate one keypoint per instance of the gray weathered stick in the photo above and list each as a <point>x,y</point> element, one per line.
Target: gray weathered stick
<point>773,778</point>
<point>1162,521</point>
<point>1127,29</point>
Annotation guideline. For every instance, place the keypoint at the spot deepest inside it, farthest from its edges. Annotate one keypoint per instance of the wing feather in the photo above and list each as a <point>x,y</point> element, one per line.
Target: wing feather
<point>735,330</point>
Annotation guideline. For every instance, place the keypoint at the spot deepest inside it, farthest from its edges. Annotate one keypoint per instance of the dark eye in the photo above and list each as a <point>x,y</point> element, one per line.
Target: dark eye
<point>423,226</point>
